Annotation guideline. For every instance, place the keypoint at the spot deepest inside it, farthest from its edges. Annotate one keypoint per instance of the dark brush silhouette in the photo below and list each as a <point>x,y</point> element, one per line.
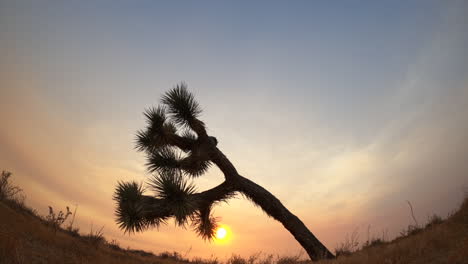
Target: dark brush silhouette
<point>178,148</point>
<point>7,190</point>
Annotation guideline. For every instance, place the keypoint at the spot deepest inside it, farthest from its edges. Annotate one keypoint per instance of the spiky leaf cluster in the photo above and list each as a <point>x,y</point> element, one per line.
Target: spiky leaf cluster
<point>130,210</point>
<point>175,191</point>
<point>204,223</point>
<point>171,155</point>
<point>182,106</point>
<point>163,160</point>
<point>170,160</point>
<point>187,133</point>
<point>195,165</point>
<point>157,132</point>
<point>159,138</point>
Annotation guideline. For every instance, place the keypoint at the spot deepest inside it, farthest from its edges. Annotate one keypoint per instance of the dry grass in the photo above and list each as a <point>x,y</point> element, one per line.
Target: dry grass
<point>27,238</point>
<point>442,241</point>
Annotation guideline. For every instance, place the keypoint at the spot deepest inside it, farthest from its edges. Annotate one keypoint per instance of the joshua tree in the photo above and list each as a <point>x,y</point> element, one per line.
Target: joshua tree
<point>178,148</point>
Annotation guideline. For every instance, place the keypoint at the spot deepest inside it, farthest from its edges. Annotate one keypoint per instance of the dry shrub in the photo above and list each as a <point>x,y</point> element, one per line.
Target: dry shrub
<point>13,195</point>
<point>266,259</point>
<point>114,244</point>
<point>7,190</point>
<point>411,230</point>
<point>288,260</point>
<point>236,259</point>
<point>211,260</point>
<point>349,245</point>
<point>56,220</point>
<point>170,255</point>
<point>95,238</point>
<point>259,258</point>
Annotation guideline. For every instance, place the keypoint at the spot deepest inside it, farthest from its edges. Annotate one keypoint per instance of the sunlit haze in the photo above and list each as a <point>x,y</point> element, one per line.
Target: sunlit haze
<point>344,111</point>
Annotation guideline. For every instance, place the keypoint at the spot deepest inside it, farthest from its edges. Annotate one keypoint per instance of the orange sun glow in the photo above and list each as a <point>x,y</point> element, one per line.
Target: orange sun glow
<point>221,233</point>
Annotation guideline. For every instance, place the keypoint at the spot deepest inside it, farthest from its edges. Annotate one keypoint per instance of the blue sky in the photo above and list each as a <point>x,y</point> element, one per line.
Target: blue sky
<point>344,111</point>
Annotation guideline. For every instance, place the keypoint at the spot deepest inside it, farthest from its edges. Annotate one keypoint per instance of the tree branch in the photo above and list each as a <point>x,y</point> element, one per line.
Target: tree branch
<point>183,143</point>
<point>224,164</point>
<point>160,208</point>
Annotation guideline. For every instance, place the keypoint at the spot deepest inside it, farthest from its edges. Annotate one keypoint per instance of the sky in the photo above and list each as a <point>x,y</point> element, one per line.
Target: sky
<point>344,111</point>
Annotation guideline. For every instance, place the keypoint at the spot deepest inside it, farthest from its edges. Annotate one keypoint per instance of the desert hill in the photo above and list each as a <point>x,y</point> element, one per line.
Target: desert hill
<point>26,237</point>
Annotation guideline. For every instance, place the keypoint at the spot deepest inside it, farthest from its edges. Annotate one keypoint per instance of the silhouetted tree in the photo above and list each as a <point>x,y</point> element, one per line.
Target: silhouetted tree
<point>178,148</point>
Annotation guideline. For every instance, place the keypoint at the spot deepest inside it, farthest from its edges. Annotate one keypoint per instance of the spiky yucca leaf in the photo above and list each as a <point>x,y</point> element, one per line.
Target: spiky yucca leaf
<point>194,166</point>
<point>130,207</point>
<point>162,160</point>
<point>175,190</point>
<point>204,223</point>
<point>157,132</point>
<point>187,133</point>
<point>171,185</point>
<point>182,106</point>
<point>155,117</point>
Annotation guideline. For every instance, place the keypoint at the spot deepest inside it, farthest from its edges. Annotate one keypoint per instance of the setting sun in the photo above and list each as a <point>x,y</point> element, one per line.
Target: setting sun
<point>221,233</point>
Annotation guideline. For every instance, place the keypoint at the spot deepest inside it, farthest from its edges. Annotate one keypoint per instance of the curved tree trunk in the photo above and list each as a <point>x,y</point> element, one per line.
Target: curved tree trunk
<point>272,206</point>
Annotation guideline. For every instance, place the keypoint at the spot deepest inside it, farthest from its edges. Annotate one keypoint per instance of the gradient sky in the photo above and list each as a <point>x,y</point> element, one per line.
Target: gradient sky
<point>342,111</point>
